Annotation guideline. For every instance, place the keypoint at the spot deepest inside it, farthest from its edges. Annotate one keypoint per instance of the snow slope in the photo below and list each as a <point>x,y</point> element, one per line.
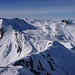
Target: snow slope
<point>37,47</point>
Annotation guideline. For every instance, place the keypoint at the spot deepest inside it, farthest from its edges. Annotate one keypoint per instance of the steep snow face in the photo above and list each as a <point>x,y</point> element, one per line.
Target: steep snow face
<point>37,47</point>
<point>17,24</point>
<point>18,43</point>
<point>56,60</point>
<point>14,43</point>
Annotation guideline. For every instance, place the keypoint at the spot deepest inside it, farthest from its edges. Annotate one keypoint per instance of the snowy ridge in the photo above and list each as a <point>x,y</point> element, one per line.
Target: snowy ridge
<point>37,47</point>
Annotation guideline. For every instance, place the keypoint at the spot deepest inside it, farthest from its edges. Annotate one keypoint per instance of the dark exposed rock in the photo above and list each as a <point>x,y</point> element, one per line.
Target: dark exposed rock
<point>1,32</point>
<point>19,49</point>
<point>40,66</point>
<point>66,21</point>
<point>52,67</point>
<point>19,62</point>
<point>31,62</point>
<point>36,73</point>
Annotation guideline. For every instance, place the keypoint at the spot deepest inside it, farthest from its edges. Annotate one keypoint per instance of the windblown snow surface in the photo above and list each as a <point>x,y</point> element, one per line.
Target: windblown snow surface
<point>37,47</point>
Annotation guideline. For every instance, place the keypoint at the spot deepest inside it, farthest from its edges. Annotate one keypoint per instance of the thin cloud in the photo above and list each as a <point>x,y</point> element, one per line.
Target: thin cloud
<point>35,11</point>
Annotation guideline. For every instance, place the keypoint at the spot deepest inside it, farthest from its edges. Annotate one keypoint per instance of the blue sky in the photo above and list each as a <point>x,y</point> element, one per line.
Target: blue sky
<point>38,9</point>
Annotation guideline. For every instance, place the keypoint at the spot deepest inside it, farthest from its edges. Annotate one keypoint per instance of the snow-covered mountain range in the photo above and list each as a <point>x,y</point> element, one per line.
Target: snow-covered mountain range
<point>37,47</point>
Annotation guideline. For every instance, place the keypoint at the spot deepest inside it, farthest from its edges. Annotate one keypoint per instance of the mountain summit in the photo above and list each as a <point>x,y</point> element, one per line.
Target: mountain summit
<point>37,47</point>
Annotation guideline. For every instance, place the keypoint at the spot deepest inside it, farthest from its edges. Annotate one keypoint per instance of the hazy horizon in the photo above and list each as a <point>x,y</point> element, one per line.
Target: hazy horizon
<point>37,9</point>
